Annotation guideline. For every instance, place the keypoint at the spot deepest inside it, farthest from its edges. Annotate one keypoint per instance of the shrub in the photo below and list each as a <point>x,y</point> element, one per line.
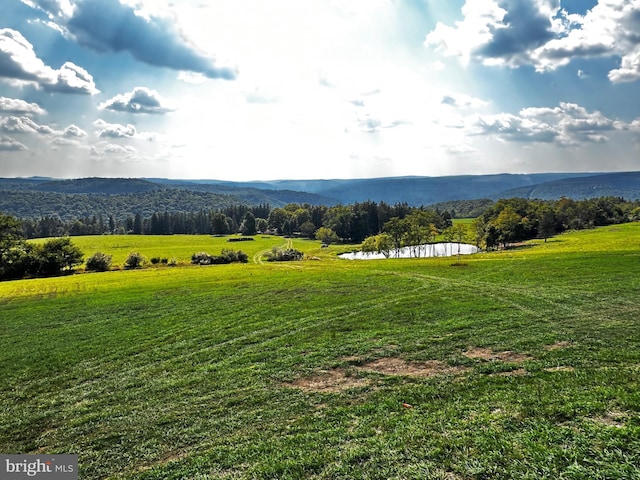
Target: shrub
<point>201,258</point>
<point>99,262</point>
<point>227,256</point>
<point>278,254</point>
<point>155,260</point>
<point>134,260</point>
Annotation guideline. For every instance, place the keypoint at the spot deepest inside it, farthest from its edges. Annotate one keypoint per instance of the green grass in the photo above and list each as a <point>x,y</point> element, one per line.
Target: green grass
<point>194,372</point>
<point>177,247</point>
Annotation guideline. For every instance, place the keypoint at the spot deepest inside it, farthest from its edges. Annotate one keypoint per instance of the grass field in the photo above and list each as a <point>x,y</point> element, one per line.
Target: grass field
<point>518,364</point>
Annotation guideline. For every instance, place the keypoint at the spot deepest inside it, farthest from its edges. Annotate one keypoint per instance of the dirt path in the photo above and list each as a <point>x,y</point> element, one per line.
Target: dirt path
<point>257,258</point>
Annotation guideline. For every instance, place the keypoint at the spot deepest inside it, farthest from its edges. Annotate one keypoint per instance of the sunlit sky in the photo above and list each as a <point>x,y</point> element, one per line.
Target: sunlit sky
<point>290,89</point>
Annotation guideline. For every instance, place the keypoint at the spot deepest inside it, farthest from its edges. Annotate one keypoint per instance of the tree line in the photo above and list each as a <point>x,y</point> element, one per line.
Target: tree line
<point>350,223</point>
<point>502,224</point>
<point>517,219</point>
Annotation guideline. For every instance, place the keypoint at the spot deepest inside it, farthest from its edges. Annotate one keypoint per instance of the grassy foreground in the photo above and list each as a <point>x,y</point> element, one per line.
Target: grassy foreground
<point>519,364</point>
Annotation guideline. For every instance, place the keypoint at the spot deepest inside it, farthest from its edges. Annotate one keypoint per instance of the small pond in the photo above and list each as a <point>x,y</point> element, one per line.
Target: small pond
<point>418,251</point>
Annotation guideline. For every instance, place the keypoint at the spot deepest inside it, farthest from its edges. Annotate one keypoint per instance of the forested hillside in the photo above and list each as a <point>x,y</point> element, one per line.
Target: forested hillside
<point>625,185</point>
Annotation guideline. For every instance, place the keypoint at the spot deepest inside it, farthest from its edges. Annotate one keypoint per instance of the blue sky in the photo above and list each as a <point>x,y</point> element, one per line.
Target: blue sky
<point>259,89</point>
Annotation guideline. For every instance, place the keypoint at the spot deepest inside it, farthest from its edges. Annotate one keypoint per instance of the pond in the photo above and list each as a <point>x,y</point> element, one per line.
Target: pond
<point>418,251</point>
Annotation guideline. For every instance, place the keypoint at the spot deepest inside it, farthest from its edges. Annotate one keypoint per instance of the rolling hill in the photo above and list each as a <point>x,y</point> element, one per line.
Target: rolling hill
<point>37,197</point>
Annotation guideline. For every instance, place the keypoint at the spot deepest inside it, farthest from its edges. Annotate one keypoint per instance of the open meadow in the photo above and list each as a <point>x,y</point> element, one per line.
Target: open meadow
<point>522,363</point>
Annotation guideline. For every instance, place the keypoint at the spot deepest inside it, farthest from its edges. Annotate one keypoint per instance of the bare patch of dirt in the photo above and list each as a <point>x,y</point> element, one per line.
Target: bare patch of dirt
<point>330,381</point>
<point>558,346</point>
<point>397,366</point>
<point>350,359</point>
<point>560,368</point>
<point>489,355</point>
<point>611,419</point>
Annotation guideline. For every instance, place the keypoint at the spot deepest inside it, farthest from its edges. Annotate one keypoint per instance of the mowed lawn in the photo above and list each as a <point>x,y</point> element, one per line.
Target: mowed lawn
<point>516,364</point>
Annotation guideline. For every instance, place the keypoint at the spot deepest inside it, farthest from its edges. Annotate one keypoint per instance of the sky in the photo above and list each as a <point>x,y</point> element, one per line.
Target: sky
<point>289,89</point>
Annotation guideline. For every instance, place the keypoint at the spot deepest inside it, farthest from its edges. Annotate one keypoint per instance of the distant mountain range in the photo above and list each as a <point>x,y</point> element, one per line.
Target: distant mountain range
<point>40,194</point>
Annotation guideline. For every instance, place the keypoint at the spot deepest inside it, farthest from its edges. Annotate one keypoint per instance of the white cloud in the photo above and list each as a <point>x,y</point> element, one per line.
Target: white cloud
<point>629,71</point>
<point>24,125</point>
<point>104,151</point>
<point>74,131</point>
<point>568,124</point>
<point>8,144</point>
<point>19,62</point>
<point>19,107</point>
<point>114,130</point>
<point>148,34</point>
<point>140,100</point>
<point>541,34</point>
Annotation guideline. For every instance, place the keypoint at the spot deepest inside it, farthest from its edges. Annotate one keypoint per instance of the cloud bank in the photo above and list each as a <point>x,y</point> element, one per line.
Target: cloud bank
<point>118,26</point>
<point>565,125</point>
<point>541,34</point>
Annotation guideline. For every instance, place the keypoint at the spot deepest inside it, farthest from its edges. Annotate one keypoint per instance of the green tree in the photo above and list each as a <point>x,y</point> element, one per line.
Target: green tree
<point>396,229</point>
<point>57,255</point>
<point>276,219</point>
<point>547,223</point>
<point>507,224</point>
<point>219,224</point>
<point>458,233</point>
<point>381,243</point>
<point>262,225</point>
<point>308,229</point>
<point>248,226</point>
<point>326,235</point>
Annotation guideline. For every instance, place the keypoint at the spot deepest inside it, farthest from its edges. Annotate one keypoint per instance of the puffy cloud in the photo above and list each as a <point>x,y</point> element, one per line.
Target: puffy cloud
<point>140,100</point>
<point>24,125</point>
<point>629,71</point>
<point>73,131</point>
<point>540,33</point>
<point>8,144</point>
<point>19,107</point>
<point>103,151</point>
<point>114,130</point>
<point>567,125</point>
<point>19,62</point>
<point>123,26</point>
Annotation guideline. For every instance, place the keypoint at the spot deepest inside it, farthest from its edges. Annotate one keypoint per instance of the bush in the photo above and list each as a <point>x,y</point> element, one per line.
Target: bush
<point>284,255</point>
<point>99,262</point>
<point>201,258</point>
<point>227,256</point>
<point>155,260</point>
<point>57,255</point>
<point>134,260</point>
